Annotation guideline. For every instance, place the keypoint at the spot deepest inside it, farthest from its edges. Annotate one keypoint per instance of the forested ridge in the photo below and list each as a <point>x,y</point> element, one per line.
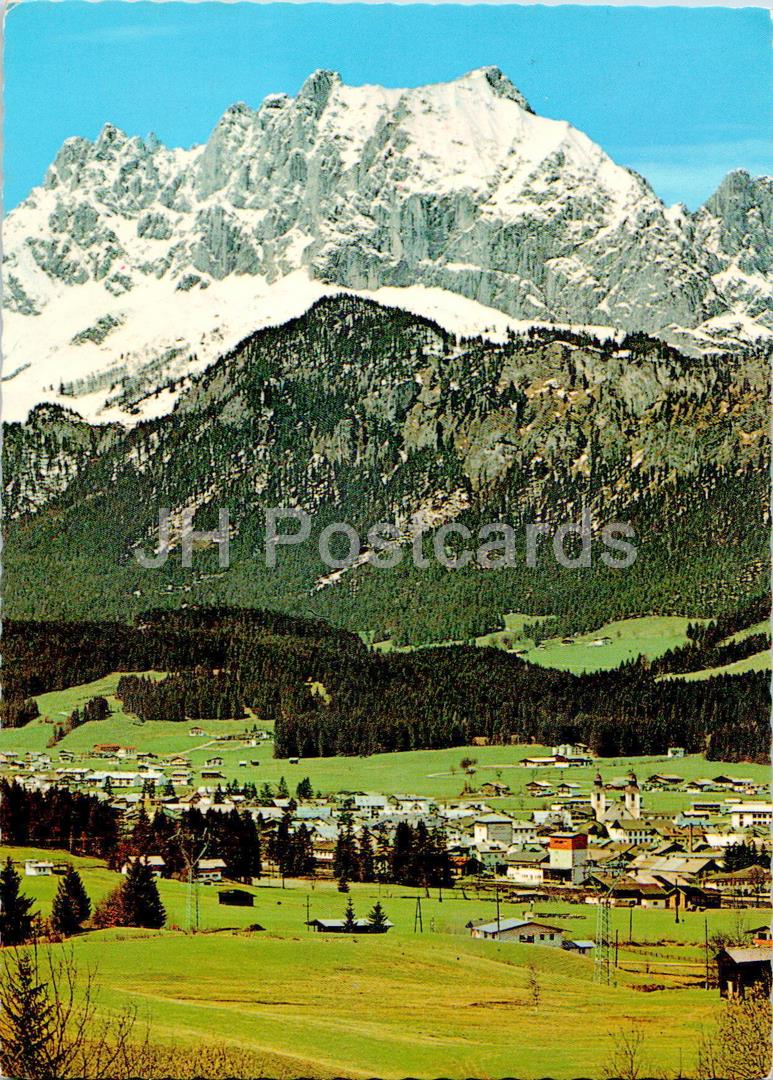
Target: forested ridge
<point>359,413</point>
<point>375,702</point>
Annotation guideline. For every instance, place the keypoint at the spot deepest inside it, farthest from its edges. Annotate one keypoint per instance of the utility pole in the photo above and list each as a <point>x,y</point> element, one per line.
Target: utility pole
<point>630,925</point>
<point>706,947</point>
<point>496,893</point>
<point>308,916</point>
<point>617,947</point>
<point>417,920</point>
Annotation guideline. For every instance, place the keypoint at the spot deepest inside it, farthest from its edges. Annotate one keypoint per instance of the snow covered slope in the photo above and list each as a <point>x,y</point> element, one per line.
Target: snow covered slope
<point>135,265</point>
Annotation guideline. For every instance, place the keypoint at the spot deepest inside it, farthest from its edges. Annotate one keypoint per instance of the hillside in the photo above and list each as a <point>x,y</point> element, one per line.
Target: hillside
<point>363,414</point>
<point>244,664</point>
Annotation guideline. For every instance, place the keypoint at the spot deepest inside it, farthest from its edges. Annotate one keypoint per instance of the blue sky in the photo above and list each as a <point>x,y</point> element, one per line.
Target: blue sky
<point>681,95</point>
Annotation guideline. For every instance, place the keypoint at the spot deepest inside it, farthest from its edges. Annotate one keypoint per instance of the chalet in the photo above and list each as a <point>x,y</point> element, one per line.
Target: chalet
<point>675,751</point>
<point>209,870</point>
<point>324,852</point>
<point>740,970</point>
<point>180,761</point>
<point>155,864</point>
<point>524,832</point>
<point>38,868</point>
<point>667,781</point>
<point>215,762</point>
<point>540,789</point>
<point>370,805</point>
<point>523,931</point>
<point>129,751</point>
<point>197,733</point>
<point>492,788</point>
<point>762,936</point>
<point>572,750</point>
<point>212,774</point>
<point>105,750</point>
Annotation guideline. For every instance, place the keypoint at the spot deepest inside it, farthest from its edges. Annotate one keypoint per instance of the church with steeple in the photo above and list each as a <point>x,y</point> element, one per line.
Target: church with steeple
<point>606,809</point>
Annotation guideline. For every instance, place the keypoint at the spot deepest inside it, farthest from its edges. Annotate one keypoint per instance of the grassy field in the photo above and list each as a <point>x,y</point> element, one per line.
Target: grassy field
<point>419,1004</point>
<point>650,636</point>
<point>434,773</point>
<point>757,662</point>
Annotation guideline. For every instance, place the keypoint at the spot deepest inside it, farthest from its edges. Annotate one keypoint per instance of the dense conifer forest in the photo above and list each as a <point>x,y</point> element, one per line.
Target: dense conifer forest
<point>329,694</point>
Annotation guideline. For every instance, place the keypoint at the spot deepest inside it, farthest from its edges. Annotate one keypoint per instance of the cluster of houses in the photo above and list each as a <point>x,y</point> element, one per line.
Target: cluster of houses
<point>602,842</point>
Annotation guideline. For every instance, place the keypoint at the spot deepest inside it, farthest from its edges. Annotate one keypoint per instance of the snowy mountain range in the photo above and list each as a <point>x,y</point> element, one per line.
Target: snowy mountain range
<point>134,265</point>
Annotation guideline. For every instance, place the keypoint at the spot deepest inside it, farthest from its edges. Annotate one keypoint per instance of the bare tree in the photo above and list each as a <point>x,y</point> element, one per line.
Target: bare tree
<point>627,1059</point>
<point>535,991</point>
<point>50,1026</point>
<point>739,1047</point>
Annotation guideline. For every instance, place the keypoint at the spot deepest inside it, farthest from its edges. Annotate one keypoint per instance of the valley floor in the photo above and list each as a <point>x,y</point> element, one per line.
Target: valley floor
<point>423,1004</point>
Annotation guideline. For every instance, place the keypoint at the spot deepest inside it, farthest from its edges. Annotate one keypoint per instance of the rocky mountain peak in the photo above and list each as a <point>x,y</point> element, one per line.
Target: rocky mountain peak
<point>456,187</point>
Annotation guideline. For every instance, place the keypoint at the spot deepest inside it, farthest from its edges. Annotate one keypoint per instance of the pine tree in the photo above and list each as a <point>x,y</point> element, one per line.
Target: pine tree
<point>377,919</point>
<point>282,790</point>
<point>304,790</point>
<point>140,903</point>
<point>27,1019</point>
<point>15,919</point>
<point>350,920</point>
<point>71,905</point>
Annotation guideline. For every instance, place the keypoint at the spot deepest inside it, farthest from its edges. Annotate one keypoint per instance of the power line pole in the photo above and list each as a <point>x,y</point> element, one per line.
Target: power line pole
<point>417,920</point>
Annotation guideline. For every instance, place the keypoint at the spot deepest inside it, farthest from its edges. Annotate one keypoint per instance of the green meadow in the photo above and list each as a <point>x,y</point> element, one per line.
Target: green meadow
<point>423,1004</point>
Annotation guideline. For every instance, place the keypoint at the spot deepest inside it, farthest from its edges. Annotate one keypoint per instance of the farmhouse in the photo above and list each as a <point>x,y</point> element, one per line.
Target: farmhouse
<point>523,931</point>
<point>739,970</point>
<point>38,868</point>
<point>209,870</point>
<point>154,862</point>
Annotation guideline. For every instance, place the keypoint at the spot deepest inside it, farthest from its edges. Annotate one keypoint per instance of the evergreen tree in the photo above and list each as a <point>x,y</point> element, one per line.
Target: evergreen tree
<point>140,903</point>
<point>282,790</point>
<point>350,919</point>
<point>304,790</point>
<point>15,918</point>
<point>71,906</point>
<point>27,1018</point>
<point>345,864</point>
<point>377,918</point>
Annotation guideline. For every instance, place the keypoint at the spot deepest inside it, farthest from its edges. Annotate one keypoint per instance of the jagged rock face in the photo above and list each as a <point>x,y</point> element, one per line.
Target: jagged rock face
<point>457,186</point>
<point>43,456</point>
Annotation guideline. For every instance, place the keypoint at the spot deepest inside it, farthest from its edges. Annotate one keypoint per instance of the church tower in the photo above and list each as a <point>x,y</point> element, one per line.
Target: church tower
<point>633,797</point>
<point>598,798</point>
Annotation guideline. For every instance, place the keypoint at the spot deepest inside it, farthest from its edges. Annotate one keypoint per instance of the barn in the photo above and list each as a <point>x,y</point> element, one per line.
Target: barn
<point>741,970</point>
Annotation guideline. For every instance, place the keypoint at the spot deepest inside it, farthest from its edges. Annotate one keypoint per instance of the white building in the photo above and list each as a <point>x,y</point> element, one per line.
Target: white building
<point>38,868</point>
<point>746,815</point>
<point>493,827</point>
